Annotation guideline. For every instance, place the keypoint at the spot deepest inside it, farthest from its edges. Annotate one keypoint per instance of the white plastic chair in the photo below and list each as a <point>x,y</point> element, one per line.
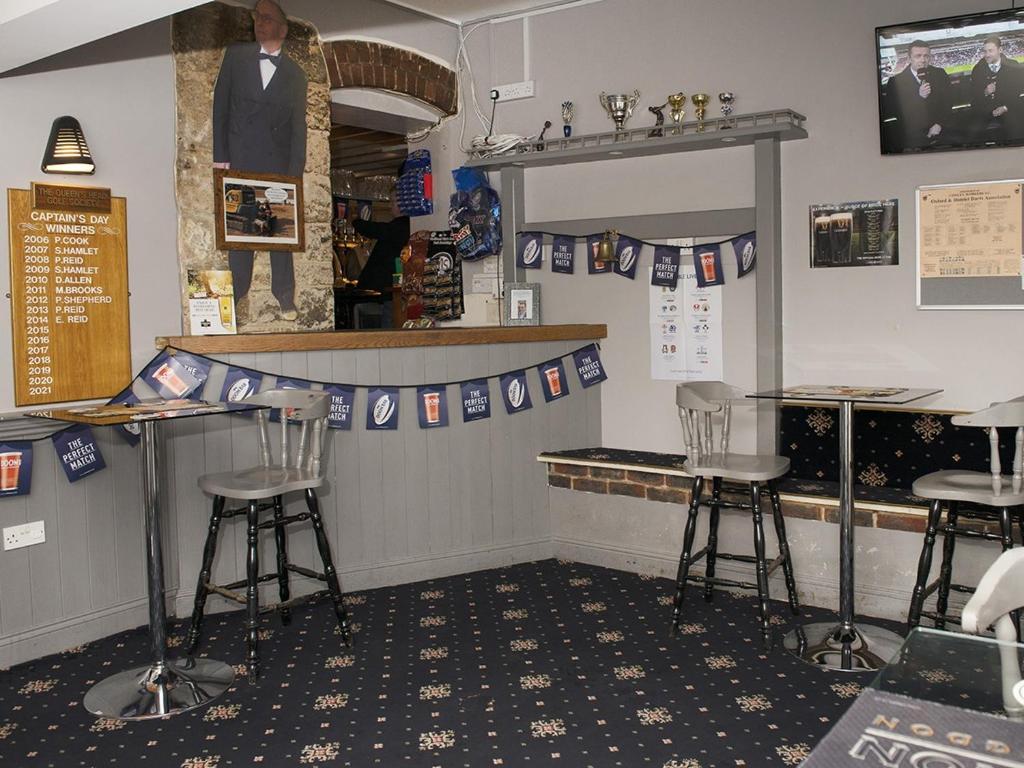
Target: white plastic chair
<point>1001,494</point>
<point>299,469</point>
<point>999,594</point>
<point>708,456</point>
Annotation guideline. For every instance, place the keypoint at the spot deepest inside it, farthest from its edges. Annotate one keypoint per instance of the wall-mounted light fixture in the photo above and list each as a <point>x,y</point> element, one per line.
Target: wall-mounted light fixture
<point>67,151</point>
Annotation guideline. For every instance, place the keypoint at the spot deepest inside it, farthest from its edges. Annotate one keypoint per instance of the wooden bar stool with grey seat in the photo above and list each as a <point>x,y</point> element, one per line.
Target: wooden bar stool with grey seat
<point>697,402</point>
<point>262,488</point>
<point>995,497</point>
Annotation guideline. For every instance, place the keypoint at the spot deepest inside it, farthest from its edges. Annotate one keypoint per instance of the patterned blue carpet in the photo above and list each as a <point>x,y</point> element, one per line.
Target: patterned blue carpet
<point>549,663</point>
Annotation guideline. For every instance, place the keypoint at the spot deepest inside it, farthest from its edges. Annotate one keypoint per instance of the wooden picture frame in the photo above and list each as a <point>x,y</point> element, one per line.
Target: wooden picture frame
<point>258,211</point>
<point>522,304</point>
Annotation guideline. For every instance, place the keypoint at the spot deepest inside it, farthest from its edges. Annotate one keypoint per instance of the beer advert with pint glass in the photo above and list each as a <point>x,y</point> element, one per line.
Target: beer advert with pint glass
<point>862,234</point>
<point>15,468</point>
<point>432,406</point>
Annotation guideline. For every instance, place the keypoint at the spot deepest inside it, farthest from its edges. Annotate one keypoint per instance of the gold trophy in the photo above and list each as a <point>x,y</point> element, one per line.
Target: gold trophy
<point>700,101</point>
<point>677,105</point>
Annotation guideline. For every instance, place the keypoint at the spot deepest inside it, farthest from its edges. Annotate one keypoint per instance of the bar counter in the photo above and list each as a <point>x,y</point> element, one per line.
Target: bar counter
<point>425,337</point>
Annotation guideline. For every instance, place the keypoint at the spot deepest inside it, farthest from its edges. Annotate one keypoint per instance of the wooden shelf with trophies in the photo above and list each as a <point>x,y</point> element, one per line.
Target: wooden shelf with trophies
<point>764,131</point>
<point>714,133</point>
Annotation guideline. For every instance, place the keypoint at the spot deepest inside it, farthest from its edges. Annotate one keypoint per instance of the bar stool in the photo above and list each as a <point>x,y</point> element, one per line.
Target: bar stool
<point>998,495</point>
<point>697,402</point>
<point>262,487</point>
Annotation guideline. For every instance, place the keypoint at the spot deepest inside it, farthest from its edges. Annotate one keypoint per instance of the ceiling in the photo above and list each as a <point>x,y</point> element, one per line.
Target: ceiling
<point>462,11</point>
<point>31,30</point>
<point>366,152</point>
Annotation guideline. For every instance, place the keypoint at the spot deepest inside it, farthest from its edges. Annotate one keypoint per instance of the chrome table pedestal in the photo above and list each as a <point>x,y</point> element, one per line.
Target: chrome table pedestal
<point>164,686</point>
<point>845,646</point>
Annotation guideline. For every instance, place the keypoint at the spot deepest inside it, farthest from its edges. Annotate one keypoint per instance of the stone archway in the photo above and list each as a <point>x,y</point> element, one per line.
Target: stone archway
<point>363,64</point>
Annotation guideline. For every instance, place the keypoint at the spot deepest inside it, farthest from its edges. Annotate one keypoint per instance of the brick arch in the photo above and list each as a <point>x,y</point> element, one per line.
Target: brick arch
<point>362,64</point>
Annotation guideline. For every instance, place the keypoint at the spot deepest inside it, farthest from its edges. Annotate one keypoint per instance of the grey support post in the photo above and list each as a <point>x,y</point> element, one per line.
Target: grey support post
<point>768,290</point>
<point>513,219</point>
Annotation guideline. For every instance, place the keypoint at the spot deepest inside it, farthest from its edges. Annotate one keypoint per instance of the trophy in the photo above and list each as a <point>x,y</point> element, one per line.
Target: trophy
<point>568,111</point>
<point>677,105</point>
<point>659,120</point>
<point>700,101</point>
<point>619,106</point>
<point>727,98</point>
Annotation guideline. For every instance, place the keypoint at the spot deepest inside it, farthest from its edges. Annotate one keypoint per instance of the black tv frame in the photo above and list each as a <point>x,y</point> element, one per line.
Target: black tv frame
<point>962,20</point>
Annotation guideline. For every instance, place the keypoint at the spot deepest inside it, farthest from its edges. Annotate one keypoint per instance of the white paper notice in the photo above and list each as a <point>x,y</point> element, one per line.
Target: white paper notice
<point>686,329</point>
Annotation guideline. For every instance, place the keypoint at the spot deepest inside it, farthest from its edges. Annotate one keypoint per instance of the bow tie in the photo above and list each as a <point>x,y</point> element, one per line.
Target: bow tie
<point>273,58</point>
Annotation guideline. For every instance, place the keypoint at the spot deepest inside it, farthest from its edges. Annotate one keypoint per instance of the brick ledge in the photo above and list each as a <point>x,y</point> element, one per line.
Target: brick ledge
<point>674,488</point>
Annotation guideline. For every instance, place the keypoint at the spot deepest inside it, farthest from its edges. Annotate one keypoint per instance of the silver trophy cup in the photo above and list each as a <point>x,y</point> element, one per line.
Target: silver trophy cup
<point>619,106</point>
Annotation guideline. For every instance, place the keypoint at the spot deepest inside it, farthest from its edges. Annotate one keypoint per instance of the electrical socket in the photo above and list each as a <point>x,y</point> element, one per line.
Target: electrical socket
<point>18,536</point>
<point>513,91</point>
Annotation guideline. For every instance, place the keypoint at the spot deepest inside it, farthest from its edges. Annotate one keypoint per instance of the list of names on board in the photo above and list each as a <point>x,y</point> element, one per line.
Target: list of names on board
<point>69,293</point>
<point>970,230</point>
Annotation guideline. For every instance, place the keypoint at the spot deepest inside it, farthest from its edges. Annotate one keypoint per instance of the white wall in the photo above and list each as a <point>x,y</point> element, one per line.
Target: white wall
<point>852,325</point>
<point>122,91</point>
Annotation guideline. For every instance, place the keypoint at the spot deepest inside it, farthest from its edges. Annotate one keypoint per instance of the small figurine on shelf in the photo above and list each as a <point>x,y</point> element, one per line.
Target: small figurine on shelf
<point>568,112</point>
<point>539,146</point>
<point>659,120</point>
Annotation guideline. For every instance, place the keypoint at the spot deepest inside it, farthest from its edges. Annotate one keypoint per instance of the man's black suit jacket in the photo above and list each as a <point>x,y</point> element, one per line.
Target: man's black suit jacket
<point>915,116</point>
<point>257,129</point>
<point>1009,81</point>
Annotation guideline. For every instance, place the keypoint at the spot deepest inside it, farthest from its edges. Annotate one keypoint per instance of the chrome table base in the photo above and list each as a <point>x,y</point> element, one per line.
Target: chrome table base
<point>861,648</point>
<point>158,690</point>
<point>845,646</point>
<point>165,686</point>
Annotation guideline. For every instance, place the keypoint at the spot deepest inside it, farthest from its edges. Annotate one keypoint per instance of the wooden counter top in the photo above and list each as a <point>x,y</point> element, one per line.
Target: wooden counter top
<point>427,337</point>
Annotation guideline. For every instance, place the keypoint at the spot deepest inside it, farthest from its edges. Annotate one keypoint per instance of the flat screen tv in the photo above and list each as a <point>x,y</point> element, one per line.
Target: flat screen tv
<point>952,83</point>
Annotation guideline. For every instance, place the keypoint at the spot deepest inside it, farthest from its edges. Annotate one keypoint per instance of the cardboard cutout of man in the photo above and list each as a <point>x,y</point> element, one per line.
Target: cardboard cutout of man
<point>259,125</point>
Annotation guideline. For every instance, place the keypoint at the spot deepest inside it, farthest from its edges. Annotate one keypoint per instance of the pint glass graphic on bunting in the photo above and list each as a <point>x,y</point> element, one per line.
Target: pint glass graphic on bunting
<point>10,471</point>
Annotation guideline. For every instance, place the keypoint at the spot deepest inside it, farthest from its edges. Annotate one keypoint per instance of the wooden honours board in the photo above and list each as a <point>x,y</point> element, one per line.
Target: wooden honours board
<point>69,293</point>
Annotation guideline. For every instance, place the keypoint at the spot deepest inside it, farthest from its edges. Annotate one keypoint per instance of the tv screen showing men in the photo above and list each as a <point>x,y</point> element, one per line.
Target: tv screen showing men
<point>955,83</point>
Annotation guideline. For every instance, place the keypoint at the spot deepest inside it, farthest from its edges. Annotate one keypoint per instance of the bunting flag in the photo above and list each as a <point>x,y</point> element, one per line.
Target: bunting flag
<point>563,254</point>
<point>588,366</point>
<point>130,432</point>
<point>552,380</point>
<point>627,255</point>
<point>78,452</point>
<point>707,260</point>
<point>666,266</point>
<point>239,384</point>
<point>476,400</point>
<point>595,267</point>
<point>382,408</point>
<point>432,406</point>
<point>169,378</point>
<point>528,250</point>
<point>343,398</point>
<point>15,468</point>
<point>745,248</point>
<point>514,392</point>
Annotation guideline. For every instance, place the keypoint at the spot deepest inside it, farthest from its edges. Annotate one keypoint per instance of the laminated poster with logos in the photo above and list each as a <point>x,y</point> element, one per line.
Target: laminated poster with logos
<point>69,293</point>
<point>15,468</point>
